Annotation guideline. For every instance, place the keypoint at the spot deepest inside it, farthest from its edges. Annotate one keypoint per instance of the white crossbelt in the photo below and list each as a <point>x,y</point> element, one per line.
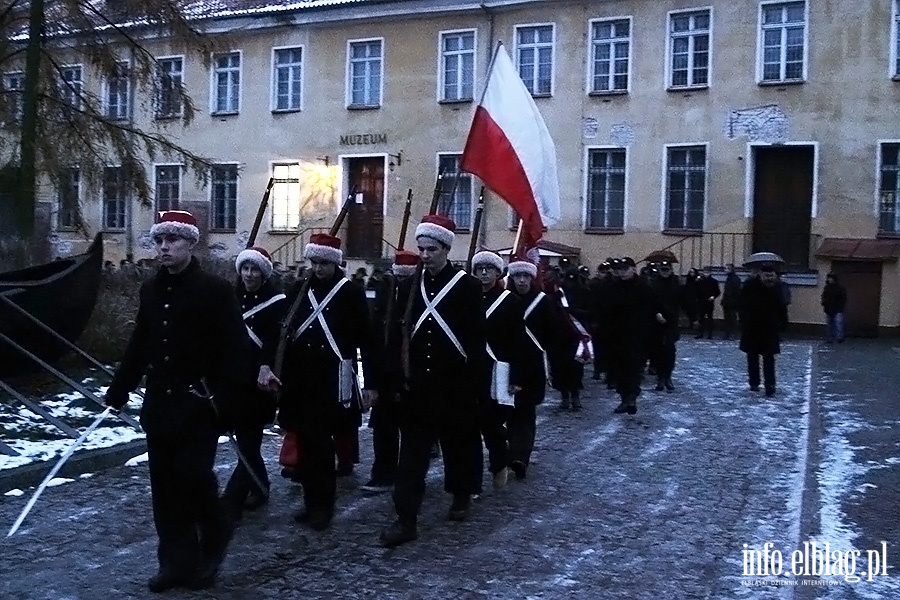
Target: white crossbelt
<point>256,309</point>
<point>318,308</point>
<point>489,312</point>
<point>431,311</point>
<point>528,311</point>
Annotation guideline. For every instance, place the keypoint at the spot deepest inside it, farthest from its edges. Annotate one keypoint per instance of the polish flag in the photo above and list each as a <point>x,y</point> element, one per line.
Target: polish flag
<point>509,148</point>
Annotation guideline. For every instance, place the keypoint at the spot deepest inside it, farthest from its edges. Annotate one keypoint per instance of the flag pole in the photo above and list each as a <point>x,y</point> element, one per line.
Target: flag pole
<point>515,248</point>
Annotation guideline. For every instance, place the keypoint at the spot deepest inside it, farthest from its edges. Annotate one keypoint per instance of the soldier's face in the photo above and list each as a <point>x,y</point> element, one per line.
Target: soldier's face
<point>322,269</point>
<point>522,281</point>
<point>665,271</point>
<point>432,253</point>
<point>251,276</point>
<point>769,278</point>
<point>173,251</point>
<point>487,275</point>
<point>626,273</point>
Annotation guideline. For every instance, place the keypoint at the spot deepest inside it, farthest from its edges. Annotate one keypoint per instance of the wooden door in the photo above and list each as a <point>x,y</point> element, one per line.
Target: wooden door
<point>782,203</point>
<point>365,220</point>
<point>862,280</point>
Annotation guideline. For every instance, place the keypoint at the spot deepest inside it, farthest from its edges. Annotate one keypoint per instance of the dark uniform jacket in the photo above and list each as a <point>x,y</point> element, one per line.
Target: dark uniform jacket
<point>707,288</point>
<point>763,316</point>
<point>632,313</point>
<point>265,325</point>
<point>544,323</point>
<point>438,371</point>
<point>669,302</point>
<point>188,328</point>
<point>387,309</point>
<point>505,331</point>
<point>309,376</point>
<point>732,292</point>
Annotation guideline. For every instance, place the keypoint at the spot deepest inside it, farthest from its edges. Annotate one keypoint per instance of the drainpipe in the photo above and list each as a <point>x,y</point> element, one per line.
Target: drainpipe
<point>482,234</point>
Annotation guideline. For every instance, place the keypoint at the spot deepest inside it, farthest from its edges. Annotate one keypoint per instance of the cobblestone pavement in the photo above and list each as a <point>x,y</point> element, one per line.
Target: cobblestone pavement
<point>656,506</point>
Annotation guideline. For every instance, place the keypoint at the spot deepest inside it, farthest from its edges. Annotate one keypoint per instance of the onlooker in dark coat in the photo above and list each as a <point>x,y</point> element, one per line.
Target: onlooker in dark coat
<point>707,292</point>
<point>763,318</point>
<point>834,301</point>
<point>730,297</point>
<point>690,295</point>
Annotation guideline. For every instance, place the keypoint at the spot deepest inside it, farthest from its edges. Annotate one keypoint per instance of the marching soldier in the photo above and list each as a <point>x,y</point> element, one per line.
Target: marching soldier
<point>632,310</point>
<point>541,321</point>
<point>330,324</point>
<point>665,333</point>
<point>505,331</point>
<point>384,421</point>
<point>188,340</point>
<point>574,298</point>
<point>444,358</point>
<point>263,308</point>
<point>763,316</point>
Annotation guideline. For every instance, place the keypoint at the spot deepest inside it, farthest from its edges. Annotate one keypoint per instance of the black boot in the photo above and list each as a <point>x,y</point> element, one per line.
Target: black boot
<point>621,408</point>
<point>165,580</point>
<point>400,532</point>
<point>631,405</point>
<point>659,384</point>
<point>564,402</point>
<point>670,387</point>
<point>459,510</point>
<point>320,519</point>
<point>519,468</point>
<point>576,400</point>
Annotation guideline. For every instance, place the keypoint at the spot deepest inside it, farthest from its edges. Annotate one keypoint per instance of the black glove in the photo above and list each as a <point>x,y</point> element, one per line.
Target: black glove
<point>116,401</point>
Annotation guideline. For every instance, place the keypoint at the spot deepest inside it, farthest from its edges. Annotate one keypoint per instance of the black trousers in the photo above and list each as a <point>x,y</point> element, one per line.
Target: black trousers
<point>768,361</point>
<point>422,423</point>
<point>189,518</point>
<point>522,426</point>
<point>663,358</point>
<point>318,475</point>
<point>730,323</point>
<point>240,485</point>
<point>495,434</point>
<point>706,319</point>
<point>385,424</point>
<point>629,370</point>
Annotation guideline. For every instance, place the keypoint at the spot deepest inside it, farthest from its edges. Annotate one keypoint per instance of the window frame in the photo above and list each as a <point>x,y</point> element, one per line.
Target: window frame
<point>460,228</point>
<point>517,48</point>
<point>585,226</point>
<point>879,165</point>
<point>107,79</point>
<point>670,57</point>
<point>214,72</point>
<point>157,96</point>
<point>664,213</point>
<point>348,82</point>
<point>237,194</point>
<point>273,228</point>
<point>894,51</point>
<point>66,87</point>
<point>589,80</point>
<point>124,199</point>
<point>60,203</point>
<point>178,200</point>
<point>441,78</point>
<point>19,105</point>
<point>273,92</point>
<point>760,49</point>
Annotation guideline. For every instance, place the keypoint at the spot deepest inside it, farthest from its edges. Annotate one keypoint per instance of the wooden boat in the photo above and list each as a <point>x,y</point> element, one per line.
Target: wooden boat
<point>61,294</point>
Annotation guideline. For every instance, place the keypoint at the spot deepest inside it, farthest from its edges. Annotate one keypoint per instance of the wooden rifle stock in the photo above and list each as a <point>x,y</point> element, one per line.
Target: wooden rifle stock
<point>436,194</point>
<point>476,228</point>
<point>405,223</point>
<point>392,279</point>
<point>260,213</point>
<point>304,287</point>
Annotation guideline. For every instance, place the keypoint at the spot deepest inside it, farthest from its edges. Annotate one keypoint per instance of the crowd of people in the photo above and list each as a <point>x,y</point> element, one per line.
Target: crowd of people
<point>451,362</point>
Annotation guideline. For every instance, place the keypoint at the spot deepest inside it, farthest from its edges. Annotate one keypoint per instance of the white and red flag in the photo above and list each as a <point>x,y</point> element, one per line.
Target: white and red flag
<point>510,149</point>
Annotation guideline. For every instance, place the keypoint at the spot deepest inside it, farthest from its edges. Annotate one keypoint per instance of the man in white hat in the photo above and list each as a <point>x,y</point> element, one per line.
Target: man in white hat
<point>189,341</point>
<point>444,364</point>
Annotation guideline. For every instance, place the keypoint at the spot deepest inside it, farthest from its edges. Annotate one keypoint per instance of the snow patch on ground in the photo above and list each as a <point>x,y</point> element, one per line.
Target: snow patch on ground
<point>57,481</point>
<point>133,462</point>
<point>15,492</point>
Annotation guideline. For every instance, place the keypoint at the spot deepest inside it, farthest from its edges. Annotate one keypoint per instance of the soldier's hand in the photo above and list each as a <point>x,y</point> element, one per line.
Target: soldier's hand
<point>267,381</point>
<point>369,399</point>
<point>115,403</point>
<point>514,389</point>
<point>660,319</point>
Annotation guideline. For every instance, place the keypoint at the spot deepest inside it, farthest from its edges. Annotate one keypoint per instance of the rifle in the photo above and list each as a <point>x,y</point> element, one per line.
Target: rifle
<point>260,213</point>
<point>407,312</point>
<point>405,223</point>
<point>392,279</point>
<point>476,227</point>
<point>304,287</point>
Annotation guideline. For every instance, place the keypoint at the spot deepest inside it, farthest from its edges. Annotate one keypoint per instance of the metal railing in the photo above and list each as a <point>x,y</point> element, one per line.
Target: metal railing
<point>291,252</point>
<point>715,249</point>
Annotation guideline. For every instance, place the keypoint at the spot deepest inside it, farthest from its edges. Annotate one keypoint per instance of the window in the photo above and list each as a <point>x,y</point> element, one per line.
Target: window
<point>534,58</point>
<point>457,65</point>
<point>365,73</point>
<point>223,197</point>
<point>606,189</point>
<point>67,207</point>
<point>889,188</point>
<point>170,78</point>
<point>287,79</point>
<point>167,186</point>
<point>895,51</point>
<point>783,42</point>
<point>14,82</point>
<point>689,49</point>
<point>70,86</point>
<point>114,198</point>
<point>286,197</point>
<point>456,191</point>
<point>226,83</point>
<point>610,56</point>
<point>685,187</point>
<point>118,88</point>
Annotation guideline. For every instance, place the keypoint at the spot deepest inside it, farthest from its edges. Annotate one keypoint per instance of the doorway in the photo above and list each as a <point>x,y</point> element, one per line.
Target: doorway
<point>365,219</point>
<point>862,280</point>
<point>782,202</point>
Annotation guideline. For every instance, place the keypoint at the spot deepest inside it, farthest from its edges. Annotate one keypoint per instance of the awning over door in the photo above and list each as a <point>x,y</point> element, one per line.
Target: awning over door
<point>859,249</point>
